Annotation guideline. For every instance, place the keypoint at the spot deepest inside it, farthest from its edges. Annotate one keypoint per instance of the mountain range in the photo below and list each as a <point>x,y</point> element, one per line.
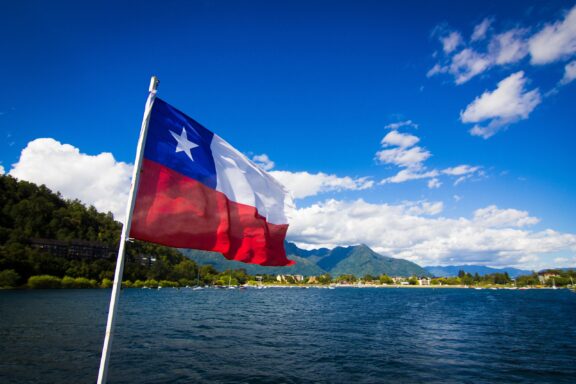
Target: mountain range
<point>452,270</point>
<point>358,260</point>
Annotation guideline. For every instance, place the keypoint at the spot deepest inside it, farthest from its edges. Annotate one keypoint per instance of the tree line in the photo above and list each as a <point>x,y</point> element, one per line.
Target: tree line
<point>29,212</point>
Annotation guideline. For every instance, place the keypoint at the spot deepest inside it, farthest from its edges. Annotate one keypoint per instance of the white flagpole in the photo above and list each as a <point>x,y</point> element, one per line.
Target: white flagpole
<point>103,372</point>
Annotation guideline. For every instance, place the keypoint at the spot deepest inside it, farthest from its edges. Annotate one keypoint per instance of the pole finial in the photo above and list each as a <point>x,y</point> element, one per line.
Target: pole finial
<point>153,84</point>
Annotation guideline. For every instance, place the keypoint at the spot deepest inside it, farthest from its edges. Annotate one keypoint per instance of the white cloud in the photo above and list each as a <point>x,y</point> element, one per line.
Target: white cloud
<point>102,181</point>
<point>460,170</point>
<point>304,184</point>
<point>468,63</point>
<point>407,155</point>
<point>493,237</point>
<point>399,139</point>
<point>464,172</point>
<point>263,161</point>
<point>404,154</point>
<point>507,104</point>
<point>98,180</point>
<point>555,41</point>
<point>1,169</point>
<point>509,47</point>
<point>569,73</point>
<point>403,157</point>
<point>451,42</point>
<point>434,183</point>
<point>400,124</point>
<point>408,174</point>
<point>481,29</point>
<point>491,216</point>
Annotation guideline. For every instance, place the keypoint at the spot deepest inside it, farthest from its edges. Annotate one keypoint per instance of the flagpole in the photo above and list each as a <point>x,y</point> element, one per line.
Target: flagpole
<point>103,371</point>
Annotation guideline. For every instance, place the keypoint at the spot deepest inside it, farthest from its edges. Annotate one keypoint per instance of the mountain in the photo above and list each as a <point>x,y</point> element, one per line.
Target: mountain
<point>565,269</point>
<point>357,260</point>
<point>302,266</point>
<point>452,270</point>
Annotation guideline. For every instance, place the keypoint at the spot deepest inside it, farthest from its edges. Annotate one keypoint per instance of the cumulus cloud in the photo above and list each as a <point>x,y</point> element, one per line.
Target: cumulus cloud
<point>400,149</point>
<point>304,184</point>
<point>403,157</point>
<point>555,41</point>
<point>399,139</point>
<point>507,104</point>
<point>491,216</point>
<point>481,29</point>
<point>415,231</point>
<point>1,169</point>
<point>405,153</point>
<point>569,73</point>
<point>263,161</point>
<point>98,180</point>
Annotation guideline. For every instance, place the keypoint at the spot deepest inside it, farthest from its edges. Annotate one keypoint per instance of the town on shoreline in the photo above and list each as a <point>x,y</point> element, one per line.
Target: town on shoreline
<point>210,278</point>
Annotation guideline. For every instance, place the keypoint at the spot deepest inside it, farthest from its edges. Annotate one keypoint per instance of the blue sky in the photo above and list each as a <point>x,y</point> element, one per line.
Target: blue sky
<point>440,132</point>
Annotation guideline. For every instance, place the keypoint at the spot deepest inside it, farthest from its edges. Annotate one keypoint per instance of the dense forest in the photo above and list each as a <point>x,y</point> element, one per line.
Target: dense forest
<point>43,234</point>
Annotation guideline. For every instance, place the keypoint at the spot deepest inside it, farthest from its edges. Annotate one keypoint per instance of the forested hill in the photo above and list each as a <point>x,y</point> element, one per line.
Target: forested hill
<point>358,260</point>
<point>42,233</point>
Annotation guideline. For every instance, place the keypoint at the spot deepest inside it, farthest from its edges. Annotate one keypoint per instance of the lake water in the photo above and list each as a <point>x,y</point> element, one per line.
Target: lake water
<point>291,335</point>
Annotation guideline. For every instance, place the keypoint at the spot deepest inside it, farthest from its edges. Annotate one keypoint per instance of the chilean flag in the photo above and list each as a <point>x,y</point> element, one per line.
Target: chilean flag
<point>197,191</point>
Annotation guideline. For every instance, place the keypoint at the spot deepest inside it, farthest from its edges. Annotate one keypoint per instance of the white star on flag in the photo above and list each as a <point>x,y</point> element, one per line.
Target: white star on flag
<point>184,145</point>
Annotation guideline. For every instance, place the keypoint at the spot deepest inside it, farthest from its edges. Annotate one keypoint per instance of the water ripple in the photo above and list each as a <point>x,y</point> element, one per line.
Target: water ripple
<point>291,336</point>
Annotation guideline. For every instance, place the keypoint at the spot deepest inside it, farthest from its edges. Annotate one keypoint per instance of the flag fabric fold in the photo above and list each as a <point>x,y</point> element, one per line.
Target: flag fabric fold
<point>197,191</point>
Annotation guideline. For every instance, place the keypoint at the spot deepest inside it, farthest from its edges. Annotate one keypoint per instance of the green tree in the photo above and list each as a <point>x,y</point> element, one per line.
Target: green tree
<point>346,279</point>
<point>185,269</point>
<point>324,279</point>
<point>385,279</point>
<point>368,278</point>
<point>44,281</point>
<point>9,278</point>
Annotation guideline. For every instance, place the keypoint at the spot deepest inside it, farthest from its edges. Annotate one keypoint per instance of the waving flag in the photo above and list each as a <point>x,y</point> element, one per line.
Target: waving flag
<point>197,191</point>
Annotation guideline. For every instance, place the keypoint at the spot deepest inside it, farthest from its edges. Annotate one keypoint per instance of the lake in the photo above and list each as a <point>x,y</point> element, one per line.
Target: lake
<point>290,335</point>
